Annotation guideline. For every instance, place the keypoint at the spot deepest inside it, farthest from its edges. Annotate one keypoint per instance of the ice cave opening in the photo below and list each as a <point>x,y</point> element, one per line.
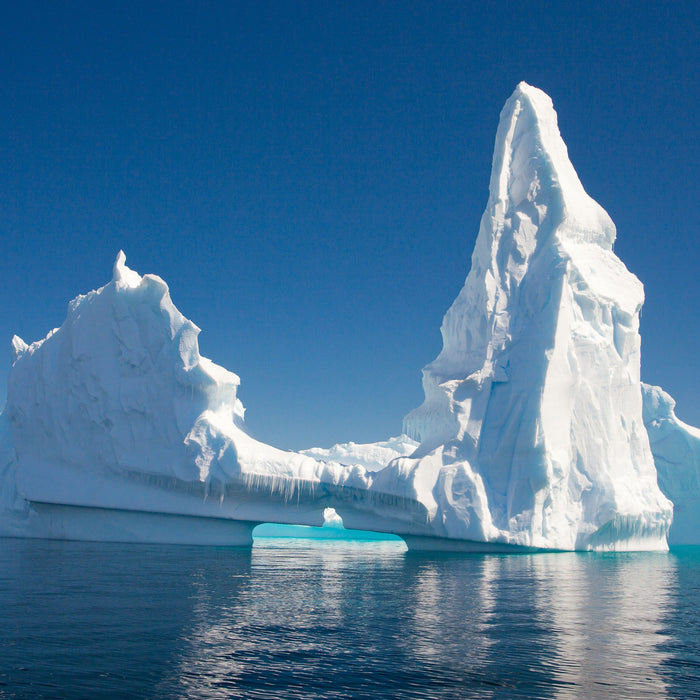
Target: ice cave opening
<point>331,530</point>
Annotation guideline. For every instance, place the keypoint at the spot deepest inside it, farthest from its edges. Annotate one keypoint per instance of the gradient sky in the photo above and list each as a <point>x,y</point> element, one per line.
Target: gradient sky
<point>309,177</point>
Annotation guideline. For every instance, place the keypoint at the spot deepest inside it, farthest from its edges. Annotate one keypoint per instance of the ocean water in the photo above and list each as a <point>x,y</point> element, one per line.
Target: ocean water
<point>338,619</point>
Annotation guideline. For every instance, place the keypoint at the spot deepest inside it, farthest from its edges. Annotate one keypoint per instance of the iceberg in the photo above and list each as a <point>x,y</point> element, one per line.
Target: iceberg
<point>676,449</point>
<point>117,428</point>
<point>531,430</point>
<point>531,435</point>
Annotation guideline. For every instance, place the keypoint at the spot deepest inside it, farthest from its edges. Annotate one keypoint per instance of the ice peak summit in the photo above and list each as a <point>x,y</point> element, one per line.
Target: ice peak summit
<point>123,274</point>
<point>532,173</point>
<point>532,413</point>
<point>19,347</point>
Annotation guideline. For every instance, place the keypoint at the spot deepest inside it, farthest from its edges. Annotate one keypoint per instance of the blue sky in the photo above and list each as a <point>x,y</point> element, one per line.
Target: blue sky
<point>309,177</point>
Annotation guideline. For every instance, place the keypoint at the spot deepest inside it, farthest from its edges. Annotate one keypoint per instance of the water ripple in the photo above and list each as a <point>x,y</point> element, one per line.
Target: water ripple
<point>294,619</point>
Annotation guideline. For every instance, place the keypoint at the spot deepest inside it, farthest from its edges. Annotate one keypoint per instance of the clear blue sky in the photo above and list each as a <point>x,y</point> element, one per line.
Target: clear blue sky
<point>309,177</point>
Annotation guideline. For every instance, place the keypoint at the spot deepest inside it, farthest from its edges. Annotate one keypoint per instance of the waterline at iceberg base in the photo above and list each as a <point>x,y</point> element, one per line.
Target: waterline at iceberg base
<point>531,436</point>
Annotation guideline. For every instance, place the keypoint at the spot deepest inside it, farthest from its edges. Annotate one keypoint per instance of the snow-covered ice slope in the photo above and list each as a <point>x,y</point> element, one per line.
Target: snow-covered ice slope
<point>117,409</point>
<point>676,449</point>
<point>531,430</point>
<point>372,456</point>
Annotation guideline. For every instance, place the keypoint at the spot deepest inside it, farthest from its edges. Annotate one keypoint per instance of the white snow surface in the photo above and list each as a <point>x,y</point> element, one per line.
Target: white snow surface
<point>676,449</point>
<point>531,430</point>
<point>372,456</point>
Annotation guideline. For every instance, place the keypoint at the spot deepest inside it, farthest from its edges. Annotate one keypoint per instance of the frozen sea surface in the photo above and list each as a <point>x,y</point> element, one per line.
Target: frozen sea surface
<point>338,619</point>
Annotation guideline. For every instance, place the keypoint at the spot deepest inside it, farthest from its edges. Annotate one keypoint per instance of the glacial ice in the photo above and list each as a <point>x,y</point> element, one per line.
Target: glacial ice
<point>116,409</point>
<point>531,434</point>
<point>372,456</point>
<point>531,430</point>
<point>676,449</point>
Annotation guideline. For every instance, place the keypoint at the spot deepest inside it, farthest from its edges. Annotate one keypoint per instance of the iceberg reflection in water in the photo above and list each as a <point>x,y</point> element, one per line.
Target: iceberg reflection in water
<point>341,619</point>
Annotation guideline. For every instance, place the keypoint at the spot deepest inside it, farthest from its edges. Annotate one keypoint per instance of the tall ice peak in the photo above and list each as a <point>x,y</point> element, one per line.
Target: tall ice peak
<point>531,166</point>
<point>531,430</point>
<point>123,274</point>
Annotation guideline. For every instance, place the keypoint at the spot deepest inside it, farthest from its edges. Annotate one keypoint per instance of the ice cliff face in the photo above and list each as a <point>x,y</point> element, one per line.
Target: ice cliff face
<point>531,430</point>
<point>676,449</point>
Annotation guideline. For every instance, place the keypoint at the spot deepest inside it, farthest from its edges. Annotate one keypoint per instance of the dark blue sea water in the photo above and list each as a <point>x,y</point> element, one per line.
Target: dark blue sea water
<point>295,619</point>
